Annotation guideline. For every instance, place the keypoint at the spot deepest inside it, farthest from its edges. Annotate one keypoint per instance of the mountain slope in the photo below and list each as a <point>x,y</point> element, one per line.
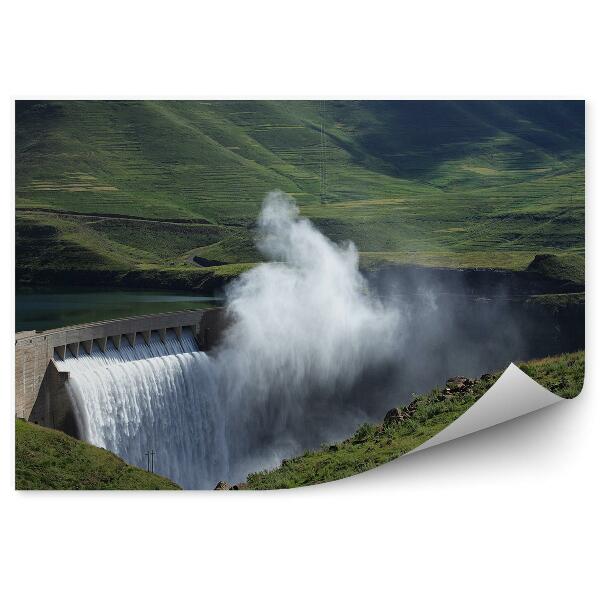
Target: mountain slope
<point>428,182</point>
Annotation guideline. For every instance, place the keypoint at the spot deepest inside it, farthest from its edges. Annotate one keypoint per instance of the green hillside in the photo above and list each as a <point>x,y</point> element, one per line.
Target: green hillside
<point>563,268</point>
<point>375,444</point>
<point>134,190</point>
<point>46,459</point>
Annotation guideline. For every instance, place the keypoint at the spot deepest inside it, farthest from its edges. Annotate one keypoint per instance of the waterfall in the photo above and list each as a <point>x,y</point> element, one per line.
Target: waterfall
<point>304,335</point>
<point>157,396</point>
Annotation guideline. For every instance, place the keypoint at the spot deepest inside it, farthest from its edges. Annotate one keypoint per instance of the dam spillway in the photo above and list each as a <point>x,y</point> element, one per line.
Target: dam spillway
<point>39,384</point>
<point>158,395</point>
<point>129,385</point>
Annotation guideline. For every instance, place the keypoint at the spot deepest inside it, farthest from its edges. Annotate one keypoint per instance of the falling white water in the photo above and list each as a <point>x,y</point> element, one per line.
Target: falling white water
<point>304,331</point>
<point>157,396</point>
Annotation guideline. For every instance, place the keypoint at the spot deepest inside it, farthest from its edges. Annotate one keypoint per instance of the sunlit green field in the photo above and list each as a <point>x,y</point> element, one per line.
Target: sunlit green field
<point>142,187</point>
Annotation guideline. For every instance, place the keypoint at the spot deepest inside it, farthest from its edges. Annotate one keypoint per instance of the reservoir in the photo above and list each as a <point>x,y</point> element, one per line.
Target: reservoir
<point>51,308</point>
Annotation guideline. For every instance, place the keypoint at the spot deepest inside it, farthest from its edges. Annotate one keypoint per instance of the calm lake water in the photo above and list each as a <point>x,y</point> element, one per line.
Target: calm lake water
<point>35,309</point>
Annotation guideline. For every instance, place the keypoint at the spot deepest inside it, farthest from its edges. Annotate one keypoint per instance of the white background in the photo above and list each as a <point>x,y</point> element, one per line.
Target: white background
<point>507,513</point>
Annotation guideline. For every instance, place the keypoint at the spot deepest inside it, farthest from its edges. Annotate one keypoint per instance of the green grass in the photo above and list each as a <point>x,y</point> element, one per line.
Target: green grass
<point>375,444</point>
<point>561,268</point>
<point>562,375</point>
<point>576,299</point>
<point>458,184</point>
<point>51,460</point>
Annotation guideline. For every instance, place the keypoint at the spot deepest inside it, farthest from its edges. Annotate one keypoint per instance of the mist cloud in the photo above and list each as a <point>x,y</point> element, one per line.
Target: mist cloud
<point>304,330</point>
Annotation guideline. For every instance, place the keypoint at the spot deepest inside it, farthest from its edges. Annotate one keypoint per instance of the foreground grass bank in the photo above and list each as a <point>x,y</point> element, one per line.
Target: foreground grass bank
<point>407,427</point>
<point>51,460</point>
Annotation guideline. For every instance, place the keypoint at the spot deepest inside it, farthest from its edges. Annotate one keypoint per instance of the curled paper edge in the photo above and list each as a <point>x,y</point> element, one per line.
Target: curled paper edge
<point>513,395</point>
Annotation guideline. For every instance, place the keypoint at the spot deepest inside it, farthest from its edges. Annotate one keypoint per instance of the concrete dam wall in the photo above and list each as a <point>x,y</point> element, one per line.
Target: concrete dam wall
<point>41,395</point>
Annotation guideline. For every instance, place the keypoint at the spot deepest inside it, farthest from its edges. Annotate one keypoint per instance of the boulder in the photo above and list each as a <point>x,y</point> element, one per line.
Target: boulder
<point>458,384</point>
<point>394,415</point>
<point>411,408</point>
<point>222,485</point>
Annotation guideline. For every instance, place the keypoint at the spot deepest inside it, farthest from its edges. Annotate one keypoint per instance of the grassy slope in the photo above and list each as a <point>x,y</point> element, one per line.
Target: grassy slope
<point>374,445</point>
<point>563,268</point>
<point>51,460</point>
<point>439,183</point>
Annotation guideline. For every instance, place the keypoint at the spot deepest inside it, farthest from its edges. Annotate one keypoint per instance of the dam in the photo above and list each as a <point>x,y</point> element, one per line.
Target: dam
<point>44,359</point>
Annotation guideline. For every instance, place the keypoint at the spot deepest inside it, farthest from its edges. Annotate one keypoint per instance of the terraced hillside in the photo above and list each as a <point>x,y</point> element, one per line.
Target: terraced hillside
<point>131,192</point>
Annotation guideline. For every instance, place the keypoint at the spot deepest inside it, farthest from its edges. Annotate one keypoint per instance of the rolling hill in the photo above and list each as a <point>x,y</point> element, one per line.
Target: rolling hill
<point>130,192</point>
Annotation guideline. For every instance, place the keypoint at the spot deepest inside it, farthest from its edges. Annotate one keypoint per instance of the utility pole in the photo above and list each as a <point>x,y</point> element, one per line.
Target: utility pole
<point>323,169</point>
<point>149,454</point>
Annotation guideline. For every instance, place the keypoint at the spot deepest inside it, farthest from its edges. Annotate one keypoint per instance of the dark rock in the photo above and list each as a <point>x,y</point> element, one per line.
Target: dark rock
<point>206,262</point>
<point>458,384</point>
<point>222,485</point>
<point>240,486</point>
<point>393,416</point>
<point>411,408</point>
